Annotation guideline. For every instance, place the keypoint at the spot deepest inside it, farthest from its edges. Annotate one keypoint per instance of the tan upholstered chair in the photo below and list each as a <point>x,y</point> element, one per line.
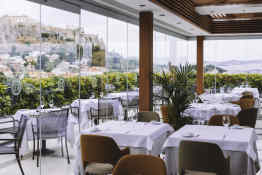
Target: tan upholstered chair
<point>247,101</point>
<point>200,157</point>
<point>248,117</point>
<point>147,116</point>
<point>217,120</point>
<point>100,154</point>
<point>140,165</point>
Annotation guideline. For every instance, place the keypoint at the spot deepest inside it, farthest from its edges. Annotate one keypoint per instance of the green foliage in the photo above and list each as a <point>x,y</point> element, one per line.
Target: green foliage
<point>178,92</point>
<point>233,80</point>
<point>29,98</point>
<point>98,58</point>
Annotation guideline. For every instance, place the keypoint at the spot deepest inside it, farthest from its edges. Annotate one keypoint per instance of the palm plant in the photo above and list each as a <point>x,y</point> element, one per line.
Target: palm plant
<point>178,92</point>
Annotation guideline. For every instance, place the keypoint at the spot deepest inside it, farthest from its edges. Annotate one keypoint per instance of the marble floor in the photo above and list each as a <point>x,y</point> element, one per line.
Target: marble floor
<point>56,164</point>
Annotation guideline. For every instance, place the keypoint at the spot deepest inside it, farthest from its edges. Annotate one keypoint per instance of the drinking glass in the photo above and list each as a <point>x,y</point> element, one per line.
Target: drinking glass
<point>226,121</point>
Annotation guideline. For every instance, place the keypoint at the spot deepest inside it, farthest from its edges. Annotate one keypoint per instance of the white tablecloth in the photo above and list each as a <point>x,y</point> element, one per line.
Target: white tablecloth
<point>204,111</point>
<point>131,95</point>
<point>219,98</point>
<point>239,144</point>
<point>86,104</point>
<point>135,135</point>
<point>235,95</point>
<point>28,136</point>
<point>239,91</point>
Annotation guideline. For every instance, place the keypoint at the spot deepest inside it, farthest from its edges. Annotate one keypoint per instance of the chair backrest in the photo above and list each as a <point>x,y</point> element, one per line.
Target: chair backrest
<point>99,149</point>
<point>203,157</point>
<point>217,120</point>
<point>75,111</point>
<point>147,116</point>
<point>21,130</point>
<point>140,165</point>
<point>53,123</point>
<point>248,117</point>
<point>104,109</point>
<point>246,103</point>
<point>131,102</point>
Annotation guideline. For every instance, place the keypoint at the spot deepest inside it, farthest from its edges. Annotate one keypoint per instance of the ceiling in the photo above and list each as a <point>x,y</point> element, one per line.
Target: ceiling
<point>223,2</point>
<point>162,16</point>
<point>230,9</point>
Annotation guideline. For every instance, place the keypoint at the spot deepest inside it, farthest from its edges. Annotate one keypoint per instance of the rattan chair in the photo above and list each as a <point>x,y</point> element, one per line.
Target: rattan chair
<point>248,117</point>
<point>140,165</point>
<point>100,154</point>
<point>202,157</point>
<point>245,102</point>
<point>217,120</point>
<point>13,145</point>
<point>147,116</point>
<point>51,125</point>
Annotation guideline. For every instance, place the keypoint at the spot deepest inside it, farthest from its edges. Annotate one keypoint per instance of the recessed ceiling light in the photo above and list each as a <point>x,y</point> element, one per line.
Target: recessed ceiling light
<point>162,15</point>
<point>141,5</point>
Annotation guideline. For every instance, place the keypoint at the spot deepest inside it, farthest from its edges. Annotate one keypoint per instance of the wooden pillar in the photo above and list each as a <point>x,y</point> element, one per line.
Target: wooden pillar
<point>146,61</point>
<point>200,64</point>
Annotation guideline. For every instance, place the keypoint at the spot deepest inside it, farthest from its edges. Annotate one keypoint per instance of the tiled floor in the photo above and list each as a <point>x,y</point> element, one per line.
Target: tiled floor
<point>57,165</point>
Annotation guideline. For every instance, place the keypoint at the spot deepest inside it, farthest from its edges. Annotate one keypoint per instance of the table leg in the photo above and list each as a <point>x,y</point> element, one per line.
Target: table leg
<point>44,149</point>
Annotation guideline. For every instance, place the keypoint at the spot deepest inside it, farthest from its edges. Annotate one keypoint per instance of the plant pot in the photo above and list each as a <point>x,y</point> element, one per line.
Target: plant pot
<point>164,111</point>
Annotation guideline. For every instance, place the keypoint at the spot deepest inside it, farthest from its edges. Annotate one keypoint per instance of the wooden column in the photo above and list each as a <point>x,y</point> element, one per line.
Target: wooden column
<point>146,61</point>
<point>200,64</point>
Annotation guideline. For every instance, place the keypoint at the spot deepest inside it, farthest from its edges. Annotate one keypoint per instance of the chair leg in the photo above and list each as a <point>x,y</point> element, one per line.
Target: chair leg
<point>38,153</point>
<point>19,163</point>
<point>33,147</point>
<point>33,144</point>
<point>68,160</point>
<point>62,150</point>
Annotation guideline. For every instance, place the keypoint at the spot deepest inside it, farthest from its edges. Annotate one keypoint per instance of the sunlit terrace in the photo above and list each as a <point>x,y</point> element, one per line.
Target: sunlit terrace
<point>130,87</point>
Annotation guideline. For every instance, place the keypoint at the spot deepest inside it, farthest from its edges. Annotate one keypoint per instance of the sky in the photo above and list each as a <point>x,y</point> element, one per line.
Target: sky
<point>124,38</point>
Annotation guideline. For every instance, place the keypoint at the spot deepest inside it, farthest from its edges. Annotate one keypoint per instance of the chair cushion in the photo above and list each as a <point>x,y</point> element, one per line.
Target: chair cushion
<point>99,168</point>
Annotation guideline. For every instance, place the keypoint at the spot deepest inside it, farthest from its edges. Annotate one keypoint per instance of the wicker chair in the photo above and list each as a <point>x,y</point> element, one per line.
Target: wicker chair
<point>100,154</point>
<point>12,145</point>
<point>246,102</point>
<point>147,116</point>
<point>202,157</point>
<point>217,120</point>
<point>51,125</point>
<point>248,117</point>
<point>140,165</point>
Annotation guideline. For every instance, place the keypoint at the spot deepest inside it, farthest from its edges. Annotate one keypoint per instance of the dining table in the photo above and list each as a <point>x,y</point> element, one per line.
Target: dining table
<point>238,143</point>
<point>32,115</point>
<point>86,104</point>
<point>141,138</point>
<point>234,95</point>
<point>204,111</point>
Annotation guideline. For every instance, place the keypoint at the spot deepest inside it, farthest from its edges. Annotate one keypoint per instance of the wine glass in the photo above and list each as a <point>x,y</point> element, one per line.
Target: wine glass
<point>226,121</point>
<point>51,103</point>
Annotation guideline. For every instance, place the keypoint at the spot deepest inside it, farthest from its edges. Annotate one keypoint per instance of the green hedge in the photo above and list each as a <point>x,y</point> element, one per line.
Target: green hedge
<point>30,94</point>
<point>233,80</point>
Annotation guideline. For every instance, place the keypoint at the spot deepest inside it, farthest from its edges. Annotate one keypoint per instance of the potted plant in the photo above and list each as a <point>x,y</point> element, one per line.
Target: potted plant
<point>178,94</point>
